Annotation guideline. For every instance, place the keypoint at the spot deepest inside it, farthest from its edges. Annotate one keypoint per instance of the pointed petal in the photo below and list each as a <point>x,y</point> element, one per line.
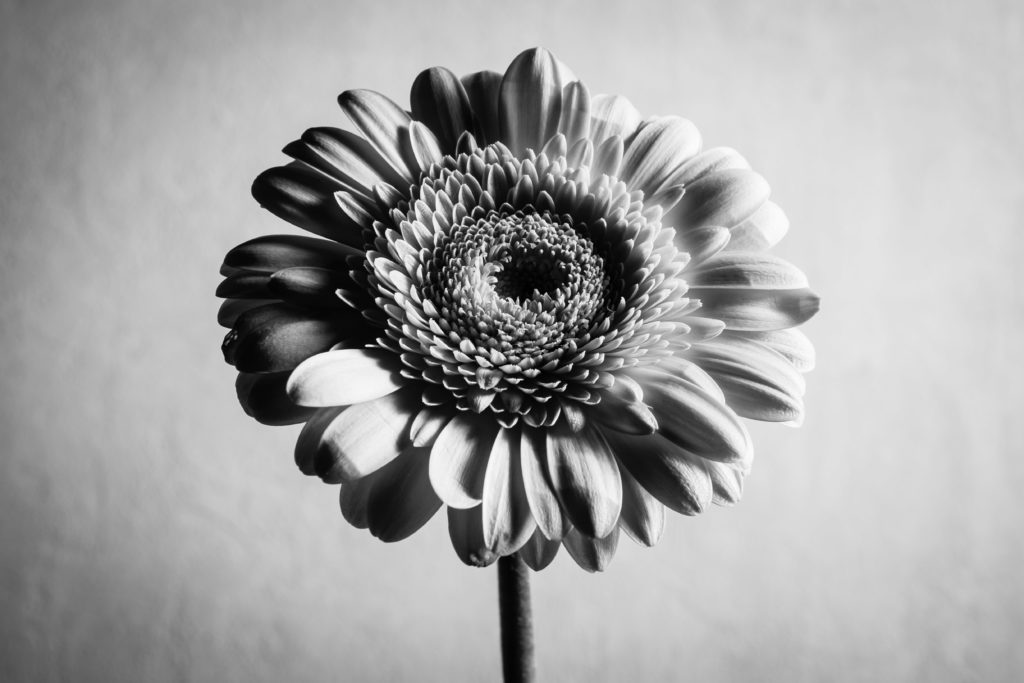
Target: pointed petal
<point>678,479</point>
<point>631,417</point>
<point>420,148</point>
<point>507,522</point>
<point>263,397</point>
<point>592,554</point>
<point>482,88</point>
<point>540,495</point>
<point>401,499</point>
<point>757,310</point>
<point>538,552</point>
<point>305,198</point>
<point>643,517</point>
<point>345,377</point>
<point>701,244</point>
<point>612,115</point>
<point>365,437</point>
<point>428,423</point>
<point>530,100</point>
<point>381,121</point>
<point>584,475</point>
<point>458,460</point>
<point>660,146</point>
<point>465,528</point>
<point>440,101</point>
<point>726,481</point>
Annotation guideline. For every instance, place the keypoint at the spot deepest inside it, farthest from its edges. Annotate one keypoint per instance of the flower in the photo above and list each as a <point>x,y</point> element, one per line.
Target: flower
<point>533,306</point>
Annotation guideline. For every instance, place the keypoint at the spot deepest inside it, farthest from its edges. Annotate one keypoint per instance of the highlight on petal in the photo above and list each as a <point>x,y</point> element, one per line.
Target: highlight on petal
<point>507,522</point>
<point>659,148</point>
<point>612,116</point>
<point>643,517</point>
<point>724,198</point>
<point>540,494</point>
<point>344,377</point>
<point>530,100</point>
<point>381,122</point>
<point>458,460</point>
<point>364,437</point>
<point>586,478</point>
<point>757,310</point>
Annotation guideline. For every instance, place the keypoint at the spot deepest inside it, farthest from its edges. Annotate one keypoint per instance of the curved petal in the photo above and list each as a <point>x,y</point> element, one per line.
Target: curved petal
<point>585,477</point>
<point>592,554</point>
<point>762,230</point>
<point>458,460</point>
<point>530,100</point>
<point>365,437</point>
<point>710,161</point>
<point>309,287</point>
<point>305,198</point>
<point>612,116</point>
<point>792,344</point>
<point>263,397</point>
<point>643,517</point>
<point>507,522</point>
<point>758,382</point>
<point>381,121</point>
<point>276,337</point>
<point>696,419</point>
<point>757,310</point>
<point>440,101</point>
<point>353,500</point>
<point>419,147</point>
<point>344,377</point>
<point>345,156</point>
<point>660,146</point>
<point>727,482</point>
<point>271,253</point>
<point>724,198</point>
<point>540,495</point>
<point>574,122</point>
<point>401,499</point>
<point>465,528</point>
<point>482,88</point>
<point>750,269</point>
<point>677,478</point>
<point>538,551</point>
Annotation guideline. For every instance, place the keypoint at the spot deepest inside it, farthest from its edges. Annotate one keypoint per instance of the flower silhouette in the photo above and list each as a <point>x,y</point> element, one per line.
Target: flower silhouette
<point>524,302</point>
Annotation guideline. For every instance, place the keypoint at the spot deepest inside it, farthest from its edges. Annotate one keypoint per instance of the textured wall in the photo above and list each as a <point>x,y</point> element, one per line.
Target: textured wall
<point>150,531</point>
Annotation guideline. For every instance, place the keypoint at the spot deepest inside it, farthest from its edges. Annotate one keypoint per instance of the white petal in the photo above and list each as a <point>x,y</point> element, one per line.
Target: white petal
<point>762,230</point>
<point>586,478</point>
<point>543,502</point>
<point>344,377</point>
<point>612,115</point>
<point>366,436</point>
<point>748,269</point>
<point>458,460</point>
<point>507,522</point>
<point>538,552</point>
<point>723,198</point>
<point>715,159</point>
<point>660,146</point>
<point>530,100</point>
<point>757,310</point>
<point>792,344</point>
<point>575,118</point>
<point>643,517</point>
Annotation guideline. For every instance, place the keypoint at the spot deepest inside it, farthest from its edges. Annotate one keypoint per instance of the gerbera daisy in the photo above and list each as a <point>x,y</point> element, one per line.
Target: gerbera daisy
<point>524,302</point>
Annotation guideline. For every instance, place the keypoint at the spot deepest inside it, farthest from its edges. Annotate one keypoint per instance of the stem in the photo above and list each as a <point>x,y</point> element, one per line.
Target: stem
<point>516,620</point>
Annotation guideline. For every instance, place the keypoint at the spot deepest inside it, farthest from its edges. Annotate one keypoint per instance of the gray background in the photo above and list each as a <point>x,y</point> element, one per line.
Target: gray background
<point>150,531</point>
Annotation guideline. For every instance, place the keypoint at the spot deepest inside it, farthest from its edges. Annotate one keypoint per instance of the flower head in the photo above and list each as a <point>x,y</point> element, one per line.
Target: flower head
<point>532,305</point>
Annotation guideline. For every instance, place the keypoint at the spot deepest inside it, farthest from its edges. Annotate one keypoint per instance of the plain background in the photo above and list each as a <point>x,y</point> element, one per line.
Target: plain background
<point>150,531</point>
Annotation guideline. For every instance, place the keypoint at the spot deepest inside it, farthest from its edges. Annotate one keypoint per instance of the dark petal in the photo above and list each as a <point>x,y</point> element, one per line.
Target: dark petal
<point>592,554</point>
<point>271,253</point>
<point>440,101</point>
<point>466,530</point>
<point>305,198</point>
<point>482,90</point>
<point>401,499</point>
<point>263,397</point>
